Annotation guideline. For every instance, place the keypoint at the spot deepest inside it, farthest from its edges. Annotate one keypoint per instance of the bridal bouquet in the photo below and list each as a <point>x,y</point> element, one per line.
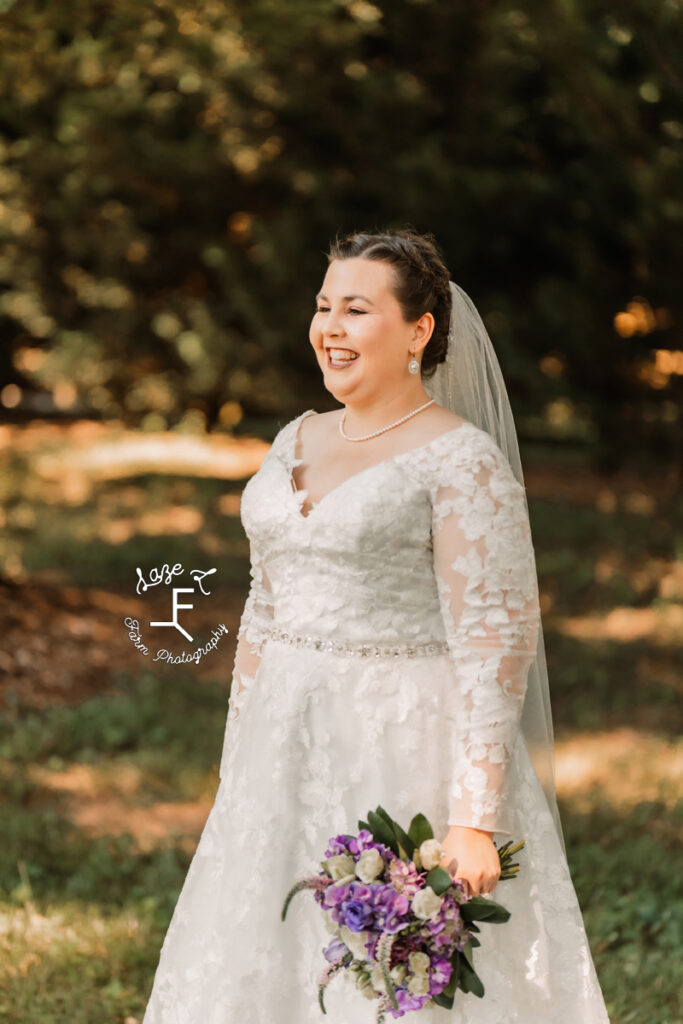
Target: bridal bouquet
<point>399,922</point>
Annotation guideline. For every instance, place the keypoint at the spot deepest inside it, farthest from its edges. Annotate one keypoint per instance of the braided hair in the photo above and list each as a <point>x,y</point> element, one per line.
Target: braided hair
<point>420,280</point>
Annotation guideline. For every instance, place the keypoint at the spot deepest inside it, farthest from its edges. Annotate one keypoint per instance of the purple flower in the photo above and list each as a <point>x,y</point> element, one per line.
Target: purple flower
<point>335,895</point>
<point>357,915</point>
<point>363,841</point>
<point>338,844</point>
<point>335,950</point>
<point>439,975</point>
<point>405,877</point>
<point>364,893</point>
<point>406,1001</point>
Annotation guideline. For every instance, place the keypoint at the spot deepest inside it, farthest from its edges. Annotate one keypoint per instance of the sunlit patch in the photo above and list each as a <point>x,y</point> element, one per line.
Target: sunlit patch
<point>622,767</point>
<point>661,625</point>
<point>109,800</point>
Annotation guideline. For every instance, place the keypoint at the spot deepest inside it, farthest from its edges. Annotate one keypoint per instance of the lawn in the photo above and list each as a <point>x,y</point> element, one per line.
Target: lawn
<point>109,763</point>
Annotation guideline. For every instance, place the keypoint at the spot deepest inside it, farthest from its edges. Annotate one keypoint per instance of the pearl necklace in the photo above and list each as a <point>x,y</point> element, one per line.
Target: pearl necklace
<point>384,429</point>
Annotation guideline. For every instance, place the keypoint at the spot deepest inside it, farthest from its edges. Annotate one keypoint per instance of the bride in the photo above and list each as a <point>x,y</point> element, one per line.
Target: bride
<point>390,652</point>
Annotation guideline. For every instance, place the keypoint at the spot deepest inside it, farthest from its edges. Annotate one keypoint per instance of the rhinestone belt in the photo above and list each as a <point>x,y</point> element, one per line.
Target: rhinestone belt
<point>366,650</point>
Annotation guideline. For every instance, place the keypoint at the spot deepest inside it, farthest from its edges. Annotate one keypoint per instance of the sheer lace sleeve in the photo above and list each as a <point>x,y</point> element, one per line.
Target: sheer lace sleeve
<point>486,578</point>
<point>256,617</point>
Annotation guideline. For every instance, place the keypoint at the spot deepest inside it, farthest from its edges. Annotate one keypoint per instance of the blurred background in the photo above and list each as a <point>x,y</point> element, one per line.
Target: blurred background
<point>171,175</point>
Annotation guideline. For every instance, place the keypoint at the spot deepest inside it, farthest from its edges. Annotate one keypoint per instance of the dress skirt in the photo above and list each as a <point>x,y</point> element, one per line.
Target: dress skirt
<point>320,740</point>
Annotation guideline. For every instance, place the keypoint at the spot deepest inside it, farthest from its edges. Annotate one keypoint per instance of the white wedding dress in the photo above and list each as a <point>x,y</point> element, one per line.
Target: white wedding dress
<point>382,659</point>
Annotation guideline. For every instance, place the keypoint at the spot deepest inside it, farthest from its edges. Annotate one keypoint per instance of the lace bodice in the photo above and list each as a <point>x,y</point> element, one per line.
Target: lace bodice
<point>433,543</point>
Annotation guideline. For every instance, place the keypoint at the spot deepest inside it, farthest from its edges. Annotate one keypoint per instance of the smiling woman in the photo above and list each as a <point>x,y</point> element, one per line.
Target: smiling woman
<point>340,356</point>
<point>382,659</point>
<point>362,341</point>
<point>358,320</point>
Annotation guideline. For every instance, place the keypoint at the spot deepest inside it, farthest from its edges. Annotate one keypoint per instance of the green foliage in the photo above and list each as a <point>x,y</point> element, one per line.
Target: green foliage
<point>439,880</point>
<point>164,169</point>
<point>478,909</point>
<point>149,713</point>
<point>419,830</point>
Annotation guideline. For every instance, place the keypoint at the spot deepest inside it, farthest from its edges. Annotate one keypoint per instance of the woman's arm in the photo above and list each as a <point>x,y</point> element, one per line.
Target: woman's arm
<point>486,577</point>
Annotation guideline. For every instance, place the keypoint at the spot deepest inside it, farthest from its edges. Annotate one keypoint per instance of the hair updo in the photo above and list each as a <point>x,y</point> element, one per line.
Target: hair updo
<point>420,280</point>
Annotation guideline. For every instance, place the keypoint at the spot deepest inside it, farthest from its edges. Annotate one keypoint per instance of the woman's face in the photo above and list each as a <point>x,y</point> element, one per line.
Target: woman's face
<point>357,314</point>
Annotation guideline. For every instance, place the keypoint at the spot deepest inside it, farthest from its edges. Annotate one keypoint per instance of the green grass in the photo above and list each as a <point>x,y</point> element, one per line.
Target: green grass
<point>630,890</point>
<point>82,918</point>
<point>108,904</point>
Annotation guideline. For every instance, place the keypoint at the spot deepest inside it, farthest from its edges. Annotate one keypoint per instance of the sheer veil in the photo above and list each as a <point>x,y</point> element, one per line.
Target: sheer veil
<point>470,383</point>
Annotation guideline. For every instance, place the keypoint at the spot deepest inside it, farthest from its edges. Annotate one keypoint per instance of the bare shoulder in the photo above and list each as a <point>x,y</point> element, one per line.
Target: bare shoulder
<point>443,418</point>
<point>435,420</point>
<point>315,431</point>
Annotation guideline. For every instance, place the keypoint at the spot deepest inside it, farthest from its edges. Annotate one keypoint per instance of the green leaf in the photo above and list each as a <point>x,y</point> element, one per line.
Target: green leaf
<point>404,840</point>
<point>467,953</point>
<point>382,832</point>
<point>404,844</point>
<point>480,909</point>
<point>420,829</point>
<point>469,980</point>
<point>439,880</point>
<point>380,812</point>
<point>443,1000</point>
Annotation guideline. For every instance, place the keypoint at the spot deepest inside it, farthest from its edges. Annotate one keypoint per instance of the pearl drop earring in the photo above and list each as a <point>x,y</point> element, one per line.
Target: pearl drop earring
<point>413,365</point>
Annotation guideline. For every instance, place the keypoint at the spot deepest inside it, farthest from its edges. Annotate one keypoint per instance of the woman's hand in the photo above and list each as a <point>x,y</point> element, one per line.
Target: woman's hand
<point>472,857</point>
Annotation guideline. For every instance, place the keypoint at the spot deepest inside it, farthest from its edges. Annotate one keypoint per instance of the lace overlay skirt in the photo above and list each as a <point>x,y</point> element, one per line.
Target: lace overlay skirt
<point>319,741</point>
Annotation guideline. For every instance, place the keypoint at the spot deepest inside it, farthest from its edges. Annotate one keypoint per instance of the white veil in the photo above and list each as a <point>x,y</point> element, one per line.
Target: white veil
<point>470,383</point>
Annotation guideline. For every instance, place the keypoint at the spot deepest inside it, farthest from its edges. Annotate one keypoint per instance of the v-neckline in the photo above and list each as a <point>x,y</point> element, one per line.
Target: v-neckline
<point>292,461</point>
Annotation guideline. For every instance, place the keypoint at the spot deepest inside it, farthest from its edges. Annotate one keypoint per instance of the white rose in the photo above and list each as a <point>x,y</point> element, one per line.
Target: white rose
<point>369,865</point>
<point>377,979</point>
<point>419,985</point>
<point>355,941</point>
<point>431,853</point>
<point>398,973</point>
<point>425,903</point>
<point>419,962</point>
<point>340,866</point>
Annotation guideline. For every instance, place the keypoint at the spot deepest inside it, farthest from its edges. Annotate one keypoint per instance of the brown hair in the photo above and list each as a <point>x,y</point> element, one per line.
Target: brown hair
<point>420,280</point>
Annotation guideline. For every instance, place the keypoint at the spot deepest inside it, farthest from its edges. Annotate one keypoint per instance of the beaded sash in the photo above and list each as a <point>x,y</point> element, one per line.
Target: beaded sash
<point>362,650</point>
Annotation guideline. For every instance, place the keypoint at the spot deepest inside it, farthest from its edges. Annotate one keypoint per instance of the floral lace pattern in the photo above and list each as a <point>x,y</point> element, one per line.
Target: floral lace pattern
<point>433,542</point>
